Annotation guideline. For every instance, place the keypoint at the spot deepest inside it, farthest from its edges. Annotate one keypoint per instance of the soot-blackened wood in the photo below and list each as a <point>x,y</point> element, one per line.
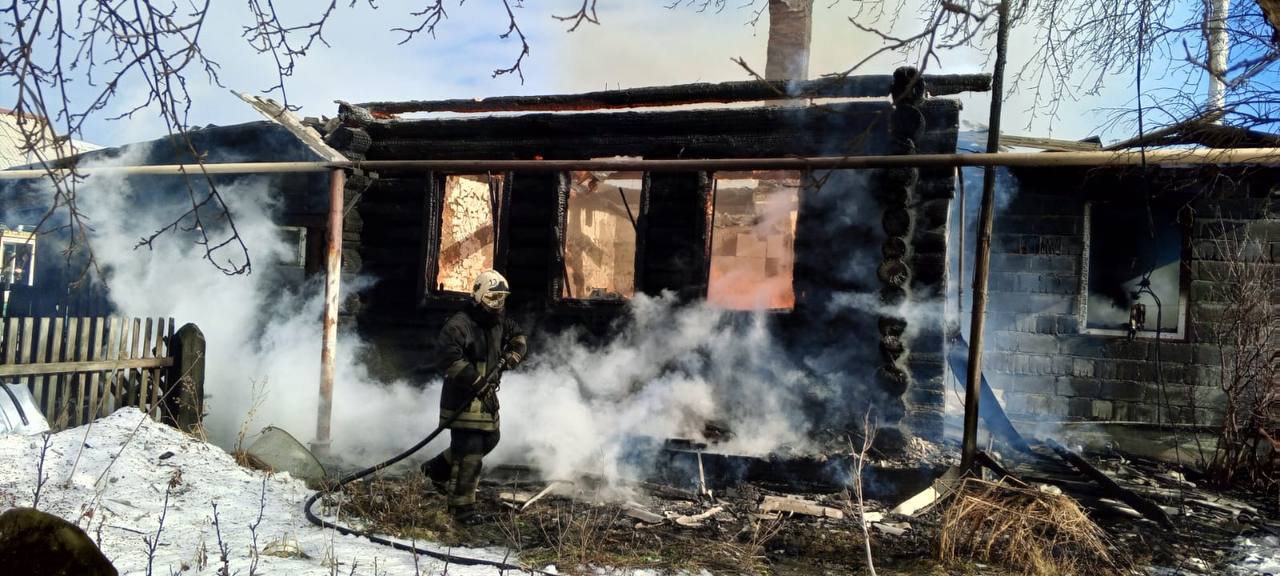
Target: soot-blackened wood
<point>185,407</point>
<point>676,217</point>
<point>869,86</point>
<point>818,130</point>
<point>531,228</point>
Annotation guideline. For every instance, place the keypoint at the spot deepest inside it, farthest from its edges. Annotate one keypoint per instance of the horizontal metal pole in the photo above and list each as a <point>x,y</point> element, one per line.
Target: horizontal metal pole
<point>1187,157</point>
<point>7,370</point>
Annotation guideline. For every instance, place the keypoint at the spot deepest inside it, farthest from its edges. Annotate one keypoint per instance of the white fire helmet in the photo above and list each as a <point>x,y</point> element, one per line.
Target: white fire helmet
<point>490,290</point>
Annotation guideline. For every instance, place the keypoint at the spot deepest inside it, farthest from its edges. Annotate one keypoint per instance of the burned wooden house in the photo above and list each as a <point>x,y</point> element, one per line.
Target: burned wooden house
<point>576,245</point>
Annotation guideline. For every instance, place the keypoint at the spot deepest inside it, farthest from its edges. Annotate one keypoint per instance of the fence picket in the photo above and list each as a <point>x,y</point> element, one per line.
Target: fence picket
<point>134,381</point>
<point>55,382</point>
<point>109,391</point>
<point>145,383</point>
<point>82,384</point>
<point>42,347</point>
<point>95,353</point>
<point>10,347</point>
<point>24,340</point>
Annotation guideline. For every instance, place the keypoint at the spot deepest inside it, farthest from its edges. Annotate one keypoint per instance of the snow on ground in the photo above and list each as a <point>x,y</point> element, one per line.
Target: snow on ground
<point>1256,555</point>
<point>127,503</point>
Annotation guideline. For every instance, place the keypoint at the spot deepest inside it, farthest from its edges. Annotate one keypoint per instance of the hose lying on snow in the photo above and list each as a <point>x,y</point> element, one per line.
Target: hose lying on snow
<point>490,381</point>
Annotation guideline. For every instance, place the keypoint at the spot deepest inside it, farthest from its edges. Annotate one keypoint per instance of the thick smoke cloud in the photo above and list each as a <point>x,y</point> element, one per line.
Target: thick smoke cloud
<point>572,409</point>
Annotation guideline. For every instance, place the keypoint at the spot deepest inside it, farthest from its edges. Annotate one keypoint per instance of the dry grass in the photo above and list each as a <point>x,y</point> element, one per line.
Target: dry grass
<point>1024,530</point>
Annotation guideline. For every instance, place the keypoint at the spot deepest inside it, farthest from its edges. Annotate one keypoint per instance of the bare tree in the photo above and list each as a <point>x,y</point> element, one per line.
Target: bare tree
<point>159,45</point>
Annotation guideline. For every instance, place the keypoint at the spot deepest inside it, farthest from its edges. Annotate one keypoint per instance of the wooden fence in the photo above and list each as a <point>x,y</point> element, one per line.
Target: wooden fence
<point>79,369</point>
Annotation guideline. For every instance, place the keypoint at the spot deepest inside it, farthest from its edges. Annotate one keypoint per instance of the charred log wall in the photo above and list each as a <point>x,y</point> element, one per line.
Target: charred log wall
<point>673,220</point>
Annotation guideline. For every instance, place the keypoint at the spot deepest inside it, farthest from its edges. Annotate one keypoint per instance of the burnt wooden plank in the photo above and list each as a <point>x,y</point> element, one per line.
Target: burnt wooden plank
<point>1147,508</point>
<point>861,86</point>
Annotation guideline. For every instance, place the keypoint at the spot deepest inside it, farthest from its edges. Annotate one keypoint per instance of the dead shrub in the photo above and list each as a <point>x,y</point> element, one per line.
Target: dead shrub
<point>1247,336</point>
<point>1022,529</point>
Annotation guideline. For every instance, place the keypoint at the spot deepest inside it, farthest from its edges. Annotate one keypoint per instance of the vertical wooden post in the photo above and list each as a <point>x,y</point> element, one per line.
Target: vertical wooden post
<point>982,258</point>
<point>328,346</point>
<point>185,407</point>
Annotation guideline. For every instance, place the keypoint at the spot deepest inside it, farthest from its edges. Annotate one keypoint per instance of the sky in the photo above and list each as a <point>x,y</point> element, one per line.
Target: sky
<point>637,43</point>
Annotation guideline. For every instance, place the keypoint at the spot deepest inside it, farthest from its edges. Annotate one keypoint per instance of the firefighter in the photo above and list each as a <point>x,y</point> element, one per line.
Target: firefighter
<point>472,343</point>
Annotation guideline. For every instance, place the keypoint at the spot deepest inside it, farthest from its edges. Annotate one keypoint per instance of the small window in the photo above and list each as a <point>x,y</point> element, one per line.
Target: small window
<point>600,235</point>
<point>17,257</point>
<point>294,246</point>
<point>753,240</point>
<point>467,229</point>
<point>1125,246</point>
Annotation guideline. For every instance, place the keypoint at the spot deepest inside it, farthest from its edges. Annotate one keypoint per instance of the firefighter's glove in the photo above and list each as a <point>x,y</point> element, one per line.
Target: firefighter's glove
<point>511,359</point>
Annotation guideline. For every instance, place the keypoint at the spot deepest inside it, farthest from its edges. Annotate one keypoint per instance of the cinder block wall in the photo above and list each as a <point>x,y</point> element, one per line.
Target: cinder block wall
<point>1039,358</point>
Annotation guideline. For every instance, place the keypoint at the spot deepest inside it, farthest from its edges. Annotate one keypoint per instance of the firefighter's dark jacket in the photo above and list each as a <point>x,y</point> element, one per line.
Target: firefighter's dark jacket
<point>470,342</point>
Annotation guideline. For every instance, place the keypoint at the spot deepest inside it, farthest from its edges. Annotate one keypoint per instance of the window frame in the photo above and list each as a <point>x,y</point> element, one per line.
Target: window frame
<point>713,190</point>
<point>559,260</point>
<point>1184,288</point>
<point>433,222</point>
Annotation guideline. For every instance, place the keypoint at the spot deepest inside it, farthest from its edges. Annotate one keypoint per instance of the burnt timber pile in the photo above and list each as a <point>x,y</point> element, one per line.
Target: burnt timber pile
<point>393,229</point>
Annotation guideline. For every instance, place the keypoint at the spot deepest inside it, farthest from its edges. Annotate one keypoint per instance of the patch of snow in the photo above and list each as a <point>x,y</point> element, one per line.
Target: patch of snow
<point>118,495</point>
<point>1258,554</point>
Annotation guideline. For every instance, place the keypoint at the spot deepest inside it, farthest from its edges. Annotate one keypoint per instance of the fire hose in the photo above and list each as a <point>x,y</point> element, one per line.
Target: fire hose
<point>490,384</point>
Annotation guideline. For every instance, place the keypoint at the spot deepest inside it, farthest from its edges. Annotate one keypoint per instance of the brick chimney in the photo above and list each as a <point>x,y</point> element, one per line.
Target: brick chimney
<point>790,28</point>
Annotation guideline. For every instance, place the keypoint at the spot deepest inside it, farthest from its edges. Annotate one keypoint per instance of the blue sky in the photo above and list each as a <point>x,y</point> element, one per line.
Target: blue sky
<point>639,43</point>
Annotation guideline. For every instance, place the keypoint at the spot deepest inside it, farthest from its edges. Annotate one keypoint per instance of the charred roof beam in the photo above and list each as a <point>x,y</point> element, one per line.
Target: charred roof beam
<point>870,86</point>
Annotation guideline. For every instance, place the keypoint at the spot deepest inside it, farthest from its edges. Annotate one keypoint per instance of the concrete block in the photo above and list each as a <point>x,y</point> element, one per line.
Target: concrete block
<point>1122,390</point>
<point>1062,365</point>
<point>1082,367</point>
<point>1031,384</point>
<point>1037,404</point>
<point>1173,352</point>
<point>1072,386</point>
<point>1101,410</point>
<point>1079,407</point>
<point>1042,365</point>
<point>1126,349</point>
<point>1083,345</point>
<point>1173,373</point>
<point>1107,369</point>
<point>1068,325</point>
<point>1038,344</point>
<point>1059,406</point>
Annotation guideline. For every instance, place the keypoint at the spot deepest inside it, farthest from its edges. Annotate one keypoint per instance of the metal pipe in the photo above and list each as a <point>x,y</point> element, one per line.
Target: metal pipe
<point>1188,157</point>
<point>332,278</point>
<point>982,257</point>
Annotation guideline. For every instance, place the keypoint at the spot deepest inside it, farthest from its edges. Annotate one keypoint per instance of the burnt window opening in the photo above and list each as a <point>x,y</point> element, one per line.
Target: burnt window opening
<point>1136,270</point>
<point>600,235</point>
<point>753,240</point>
<point>470,206</point>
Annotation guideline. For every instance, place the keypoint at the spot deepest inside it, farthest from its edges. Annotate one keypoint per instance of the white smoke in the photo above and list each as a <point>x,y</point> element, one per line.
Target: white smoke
<point>673,368</point>
<point>571,409</point>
